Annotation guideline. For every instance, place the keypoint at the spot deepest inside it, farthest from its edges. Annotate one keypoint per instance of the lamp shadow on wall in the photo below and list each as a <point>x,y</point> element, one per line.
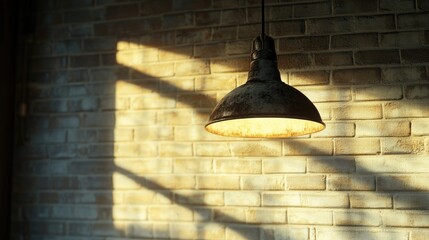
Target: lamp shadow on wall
<point>163,93</point>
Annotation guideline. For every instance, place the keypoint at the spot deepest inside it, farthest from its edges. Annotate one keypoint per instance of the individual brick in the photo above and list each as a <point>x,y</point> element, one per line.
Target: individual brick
<point>357,218</point>
<point>191,36</point>
<point>356,76</point>
<point>360,40</point>
<point>413,21</point>
<point>325,200</point>
<point>418,55</point>
<point>283,28</point>
<point>263,182</point>
<point>237,166</point>
<point>402,183</point>
<point>357,146</point>
<point>230,215</point>
<point>262,148</point>
<point>307,147</point>
<point>416,201</point>
<point>405,109</point>
<point>331,165</point>
<point>309,78</point>
<point>377,57</point>
<point>304,44</point>
<point>333,59</point>
<point>242,198</point>
<point>281,199</point>
<point>337,129</point>
<point>374,23</point>
<point>312,10</point>
<point>242,232</point>
<point>378,93</point>
<point>369,200</point>
<point>353,234</point>
<point>405,219</point>
<point>129,213</point>
<point>151,133</point>
<point>403,145</point>
<point>420,127</point>
<point>419,234</point>
<point>403,74</point>
<point>401,39</point>
<point>396,5</point>
<point>200,198</point>
<point>178,20</point>
<point>265,216</point>
<point>162,182</point>
<point>229,65</point>
<point>193,231</point>
<point>212,149</point>
<point>233,16</point>
<point>122,11</point>
<point>192,68</point>
<point>354,6</point>
<point>218,182</point>
<point>350,183</point>
<point>293,61</point>
<point>329,25</point>
<point>306,217</point>
<point>206,18</point>
<point>175,149</point>
<point>331,94</point>
<point>284,165</point>
<point>391,164</point>
<point>306,182</point>
<point>169,213</point>
<point>209,50</point>
<point>418,91</point>
<point>192,165</point>
<point>147,197</point>
<point>298,233</point>
<point>373,111</point>
<point>383,129</point>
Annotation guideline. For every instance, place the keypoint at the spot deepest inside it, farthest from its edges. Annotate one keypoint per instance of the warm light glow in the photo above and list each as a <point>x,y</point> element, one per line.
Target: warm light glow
<point>264,127</point>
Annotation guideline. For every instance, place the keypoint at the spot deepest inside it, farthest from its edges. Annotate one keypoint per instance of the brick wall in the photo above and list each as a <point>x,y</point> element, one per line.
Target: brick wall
<point>120,91</point>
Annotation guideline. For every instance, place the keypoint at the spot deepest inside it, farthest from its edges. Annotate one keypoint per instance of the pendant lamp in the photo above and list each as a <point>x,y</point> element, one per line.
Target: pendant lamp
<point>264,107</point>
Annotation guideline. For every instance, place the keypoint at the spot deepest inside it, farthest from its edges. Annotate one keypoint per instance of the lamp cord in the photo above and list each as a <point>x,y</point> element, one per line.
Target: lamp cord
<point>263,17</point>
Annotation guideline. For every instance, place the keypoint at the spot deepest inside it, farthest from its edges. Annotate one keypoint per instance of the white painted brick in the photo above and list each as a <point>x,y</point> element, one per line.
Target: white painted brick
<point>406,219</point>
<point>325,200</point>
<point>420,127</point>
<point>281,199</point>
<point>263,182</point>
<point>357,218</point>
<point>289,233</point>
<point>308,216</point>
<point>197,231</point>
<point>392,164</point>
<point>284,165</point>
<point>351,182</point>
<point>242,198</point>
<point>411,201</point>
<point>265,216</point>
<point>371,200</point>
<point>383,128</point>
<point>353,234</point>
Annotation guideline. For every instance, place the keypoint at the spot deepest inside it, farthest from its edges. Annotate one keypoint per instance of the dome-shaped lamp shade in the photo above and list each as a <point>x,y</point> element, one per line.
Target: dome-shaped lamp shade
<point>264,107</point>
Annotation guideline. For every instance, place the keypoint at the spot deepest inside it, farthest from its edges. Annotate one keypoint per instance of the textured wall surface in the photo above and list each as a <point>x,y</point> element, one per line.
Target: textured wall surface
<point>120,90</point>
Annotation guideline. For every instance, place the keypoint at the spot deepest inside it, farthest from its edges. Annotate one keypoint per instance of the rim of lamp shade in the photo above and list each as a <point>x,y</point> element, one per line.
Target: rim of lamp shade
<point>264,107</point>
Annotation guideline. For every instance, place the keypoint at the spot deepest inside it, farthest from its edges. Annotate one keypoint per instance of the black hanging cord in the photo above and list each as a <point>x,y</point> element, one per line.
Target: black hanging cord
<point>263,18</point>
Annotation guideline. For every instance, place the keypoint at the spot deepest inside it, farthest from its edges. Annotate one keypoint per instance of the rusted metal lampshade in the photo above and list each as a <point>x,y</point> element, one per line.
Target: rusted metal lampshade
<point>264,107</point>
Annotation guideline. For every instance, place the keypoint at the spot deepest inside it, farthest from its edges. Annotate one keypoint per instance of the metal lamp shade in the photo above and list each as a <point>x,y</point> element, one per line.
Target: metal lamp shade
<point>264,107</point>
